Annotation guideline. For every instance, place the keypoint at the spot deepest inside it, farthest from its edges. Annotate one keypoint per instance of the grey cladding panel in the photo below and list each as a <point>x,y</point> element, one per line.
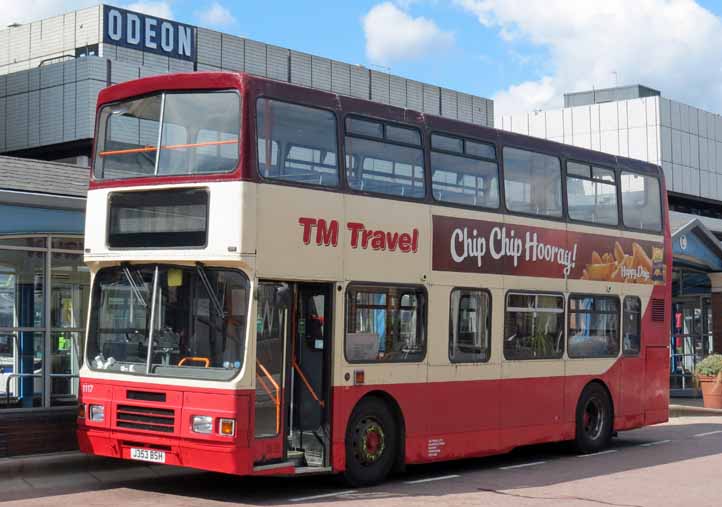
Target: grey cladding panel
<point>479,111</point>
<point>209,47</point>
<point>18,82</point>
<point>121,72</point>
<point>232,53</point>
<point>340,77</point>
<point>3,83</point>
<point>321,73</point>
<point>380,87</point>
<point>256,58</point>
<point>464,107</point>
<point>359,82</point>
<point>51,75</point>
<point>69,96</point>
<point>397,91</point>
<point>211,68</point>
<point>34,78</point>
<point>34,118</point>
<point>159,62</point>
<point>301,65</point>
<point>2,123</point>
<point>17,121</point>
<point>4,47</point>
<point>432,100</point>
<point>449,104</point>
<point>489,113</point>
<point>132,56</point>
<point>69,71</point>
<point>277,63</point>
<point>51,120</point>
<point>175,65</point>
<point>414,95</point>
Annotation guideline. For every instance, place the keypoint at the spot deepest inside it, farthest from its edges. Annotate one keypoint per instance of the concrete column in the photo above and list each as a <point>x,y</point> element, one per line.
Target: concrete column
<point>716,303</point>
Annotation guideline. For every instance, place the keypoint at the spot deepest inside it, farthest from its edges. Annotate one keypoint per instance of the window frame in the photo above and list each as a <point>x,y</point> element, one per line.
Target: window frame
<point>617,191</point>
<point>639,323</point>
<point>563,217</point>
<point>341,182</point>
<point>563,312</point>
<point>488,319</point>
<point>622,169</point>
<point>421,146</point>
<point>424,314</point>
<point>582,295</point>
<point>161,93</point>
<point>499,173</point>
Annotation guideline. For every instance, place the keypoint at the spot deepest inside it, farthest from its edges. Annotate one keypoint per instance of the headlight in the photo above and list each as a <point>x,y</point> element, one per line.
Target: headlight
<point>97,413</point>
<point>227,427</point>
<point>202,424</point>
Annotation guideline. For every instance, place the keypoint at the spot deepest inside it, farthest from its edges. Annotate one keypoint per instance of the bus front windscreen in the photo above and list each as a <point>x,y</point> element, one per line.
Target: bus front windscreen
<point>199,319</point>
<point>168,134</point>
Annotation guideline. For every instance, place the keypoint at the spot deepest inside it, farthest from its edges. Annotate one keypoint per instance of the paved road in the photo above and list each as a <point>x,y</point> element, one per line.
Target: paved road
<point>678,463</point>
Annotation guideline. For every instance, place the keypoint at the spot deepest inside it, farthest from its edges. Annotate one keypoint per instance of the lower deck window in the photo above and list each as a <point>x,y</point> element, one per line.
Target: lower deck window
<point>534,326</point>
<point>631,327</point>
<point>469,326</point>
<point>385,324</point>
<point>593,326</point>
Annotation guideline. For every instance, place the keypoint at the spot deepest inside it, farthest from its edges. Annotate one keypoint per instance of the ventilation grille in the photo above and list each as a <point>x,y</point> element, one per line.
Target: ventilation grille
<point>658,310</point>
<point>145,418</point>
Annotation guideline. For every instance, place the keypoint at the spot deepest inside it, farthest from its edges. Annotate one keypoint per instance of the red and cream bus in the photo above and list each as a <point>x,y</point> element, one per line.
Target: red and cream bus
<point>287,281</point>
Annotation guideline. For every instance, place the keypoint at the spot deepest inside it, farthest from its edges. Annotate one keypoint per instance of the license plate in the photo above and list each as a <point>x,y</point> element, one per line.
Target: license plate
<point>147,455</point>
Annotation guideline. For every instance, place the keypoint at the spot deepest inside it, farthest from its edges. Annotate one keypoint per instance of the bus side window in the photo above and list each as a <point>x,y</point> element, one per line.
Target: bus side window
<point>631,326</point>
<point>469,326</point>
<point>641,205</point>
<point>532,182</point>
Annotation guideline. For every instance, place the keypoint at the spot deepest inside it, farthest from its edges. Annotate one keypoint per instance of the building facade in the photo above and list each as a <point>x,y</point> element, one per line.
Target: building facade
<point>638,122</point>
<point>44,290</point>
<point>52,70</point>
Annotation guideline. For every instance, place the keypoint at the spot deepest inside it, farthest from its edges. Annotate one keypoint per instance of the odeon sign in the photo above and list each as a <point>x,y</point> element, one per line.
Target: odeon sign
<point>147,33</point>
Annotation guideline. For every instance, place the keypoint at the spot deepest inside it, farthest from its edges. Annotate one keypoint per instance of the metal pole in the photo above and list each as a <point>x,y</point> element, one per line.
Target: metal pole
<point>151,327</point>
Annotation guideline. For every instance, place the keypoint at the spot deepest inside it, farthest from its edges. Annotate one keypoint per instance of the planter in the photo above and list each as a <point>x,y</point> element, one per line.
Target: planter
<point>711,390</point>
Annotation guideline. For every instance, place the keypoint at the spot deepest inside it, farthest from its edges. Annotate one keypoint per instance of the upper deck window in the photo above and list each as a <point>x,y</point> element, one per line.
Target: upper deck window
<point>464,172</point>
<point>305,138</point>
<point>591,194</point>
<point>532,182</point>
<point>384,159</point>
<point>169,134</point>
<point>641,206</point>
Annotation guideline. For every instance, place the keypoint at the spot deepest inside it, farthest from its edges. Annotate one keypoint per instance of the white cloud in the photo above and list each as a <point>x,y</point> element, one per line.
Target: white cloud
<point>216,15</point>
<point>24,11</point>
<point>671,45</point>
<point>393,35</point>
<point>159,9</point>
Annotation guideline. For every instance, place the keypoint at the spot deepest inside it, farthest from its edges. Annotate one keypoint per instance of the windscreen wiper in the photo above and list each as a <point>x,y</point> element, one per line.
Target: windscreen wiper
<point>133,285</point>
<point>209,289</point>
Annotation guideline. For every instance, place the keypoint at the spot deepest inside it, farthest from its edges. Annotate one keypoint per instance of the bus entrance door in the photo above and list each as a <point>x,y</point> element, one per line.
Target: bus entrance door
<point>309,382</point>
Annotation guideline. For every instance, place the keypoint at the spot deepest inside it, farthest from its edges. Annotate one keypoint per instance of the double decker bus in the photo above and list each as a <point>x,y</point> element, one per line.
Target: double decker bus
<point>286,281</point>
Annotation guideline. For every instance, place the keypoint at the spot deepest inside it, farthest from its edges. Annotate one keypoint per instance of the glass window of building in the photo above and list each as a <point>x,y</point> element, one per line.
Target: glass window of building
<point>39,359</point>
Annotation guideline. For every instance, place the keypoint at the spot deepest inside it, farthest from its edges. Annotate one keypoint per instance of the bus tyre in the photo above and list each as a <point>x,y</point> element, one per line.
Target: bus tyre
<point>594,419</point>
<point>371,443</point>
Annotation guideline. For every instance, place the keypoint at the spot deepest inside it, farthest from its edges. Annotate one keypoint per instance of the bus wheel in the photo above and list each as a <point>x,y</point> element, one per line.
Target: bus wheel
<point>371,443</point>
<point>594,419</point>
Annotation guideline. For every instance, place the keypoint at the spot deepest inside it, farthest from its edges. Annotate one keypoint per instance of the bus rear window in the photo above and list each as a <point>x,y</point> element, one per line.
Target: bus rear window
<point>169,134</point>
<point>641,206</point>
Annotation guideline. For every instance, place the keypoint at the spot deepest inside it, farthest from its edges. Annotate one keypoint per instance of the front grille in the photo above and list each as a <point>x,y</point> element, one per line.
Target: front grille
<point>145,418</point>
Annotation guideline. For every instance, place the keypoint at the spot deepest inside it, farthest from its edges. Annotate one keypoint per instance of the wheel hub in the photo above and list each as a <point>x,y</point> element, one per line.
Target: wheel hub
<point>593,419</point>
<point>371,441</point>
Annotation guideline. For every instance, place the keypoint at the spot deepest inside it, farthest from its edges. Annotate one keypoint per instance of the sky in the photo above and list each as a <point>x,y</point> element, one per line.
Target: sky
<point>524,54</point>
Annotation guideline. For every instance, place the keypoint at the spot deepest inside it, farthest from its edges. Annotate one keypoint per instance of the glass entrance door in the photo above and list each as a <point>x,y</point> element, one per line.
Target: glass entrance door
<point>691,338</point>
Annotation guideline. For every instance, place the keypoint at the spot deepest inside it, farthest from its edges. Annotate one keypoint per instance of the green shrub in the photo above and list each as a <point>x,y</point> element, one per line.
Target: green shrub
<point>710,365</point>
